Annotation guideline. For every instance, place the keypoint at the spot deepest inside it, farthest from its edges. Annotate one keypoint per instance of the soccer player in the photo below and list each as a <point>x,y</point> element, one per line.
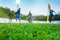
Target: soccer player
<point>30,17</point>
<point>10,16</point>
<point>51,15</point>
<point>18,14</point>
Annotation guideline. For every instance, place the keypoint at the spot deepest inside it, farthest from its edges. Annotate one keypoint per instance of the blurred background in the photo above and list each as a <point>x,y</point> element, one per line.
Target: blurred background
<point>38,8</point>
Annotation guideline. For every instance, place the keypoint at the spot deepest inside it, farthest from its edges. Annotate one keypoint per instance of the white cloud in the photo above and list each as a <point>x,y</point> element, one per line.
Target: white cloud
<point>18,1</point>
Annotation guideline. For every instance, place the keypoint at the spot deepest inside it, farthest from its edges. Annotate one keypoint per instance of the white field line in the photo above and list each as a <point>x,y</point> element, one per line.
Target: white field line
<point>6,20</point>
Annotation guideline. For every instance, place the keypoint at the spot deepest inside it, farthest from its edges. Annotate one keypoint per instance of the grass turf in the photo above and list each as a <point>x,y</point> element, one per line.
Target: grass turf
<point>15,31</point>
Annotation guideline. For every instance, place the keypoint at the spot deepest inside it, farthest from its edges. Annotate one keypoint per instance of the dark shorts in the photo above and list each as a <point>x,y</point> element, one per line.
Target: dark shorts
<point>10,16</point>
<point>50,18</point>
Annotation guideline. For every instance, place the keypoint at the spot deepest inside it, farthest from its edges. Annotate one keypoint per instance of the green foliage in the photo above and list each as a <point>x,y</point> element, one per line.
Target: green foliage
<point>32,31</point>
<point>56,17</point>
<point>4,12</point>
<point>40,18</point>
<point>24,17</point>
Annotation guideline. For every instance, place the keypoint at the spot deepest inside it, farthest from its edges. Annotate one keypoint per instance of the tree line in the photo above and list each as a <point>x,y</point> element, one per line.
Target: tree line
<point>4,14</point>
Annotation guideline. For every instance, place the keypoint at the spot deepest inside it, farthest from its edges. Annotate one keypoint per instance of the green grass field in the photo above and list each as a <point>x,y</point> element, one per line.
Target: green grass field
<point>15,31</point>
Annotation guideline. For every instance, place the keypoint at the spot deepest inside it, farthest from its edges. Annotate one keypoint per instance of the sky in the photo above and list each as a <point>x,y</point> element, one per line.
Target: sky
<point>37,7</point>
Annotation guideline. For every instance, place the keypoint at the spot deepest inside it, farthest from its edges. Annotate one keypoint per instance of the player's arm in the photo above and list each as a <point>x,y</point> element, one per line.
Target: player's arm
<point>54,12</point>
